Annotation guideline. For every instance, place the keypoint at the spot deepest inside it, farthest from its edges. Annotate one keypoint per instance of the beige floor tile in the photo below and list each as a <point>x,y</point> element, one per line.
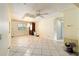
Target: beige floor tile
<point>33,46</point>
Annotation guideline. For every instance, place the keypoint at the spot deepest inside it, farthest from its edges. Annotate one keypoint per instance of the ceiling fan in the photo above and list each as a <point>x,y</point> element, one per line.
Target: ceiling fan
<point>38,14</point>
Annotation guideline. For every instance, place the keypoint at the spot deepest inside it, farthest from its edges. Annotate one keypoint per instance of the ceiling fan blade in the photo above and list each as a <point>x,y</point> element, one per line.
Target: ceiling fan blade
<point>44,14</point>
<point>28,15</point>
<point>24,15</point>
<point>41,16</point>
<point>31,15</point>
<point>39,10</point>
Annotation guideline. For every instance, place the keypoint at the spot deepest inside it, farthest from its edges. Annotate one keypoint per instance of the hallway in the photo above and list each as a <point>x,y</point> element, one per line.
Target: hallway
<point>35,46</point>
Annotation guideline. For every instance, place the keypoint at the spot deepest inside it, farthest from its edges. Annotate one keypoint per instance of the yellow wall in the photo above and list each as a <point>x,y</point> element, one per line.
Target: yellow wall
<point>71,16</point>
<point>71,24</point>
<point>15,31</point>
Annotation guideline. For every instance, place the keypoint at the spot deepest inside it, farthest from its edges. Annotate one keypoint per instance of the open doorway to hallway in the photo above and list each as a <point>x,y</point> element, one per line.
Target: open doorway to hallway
<point>59,28</point>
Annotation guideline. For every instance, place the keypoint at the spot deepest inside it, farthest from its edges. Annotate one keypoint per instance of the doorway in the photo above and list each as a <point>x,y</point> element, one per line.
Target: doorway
<point>32,28</point>
<point>59,29</point>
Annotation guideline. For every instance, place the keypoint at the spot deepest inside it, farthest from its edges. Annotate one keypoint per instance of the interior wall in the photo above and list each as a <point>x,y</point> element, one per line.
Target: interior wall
<point>71,25</point>
<point>15,31</point>
<point>46,26</point>
<point>4,29</point>
<point>46,29</point>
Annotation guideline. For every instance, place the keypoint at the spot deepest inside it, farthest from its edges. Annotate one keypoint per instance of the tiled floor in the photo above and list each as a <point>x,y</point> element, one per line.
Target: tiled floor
<point>34,46</point>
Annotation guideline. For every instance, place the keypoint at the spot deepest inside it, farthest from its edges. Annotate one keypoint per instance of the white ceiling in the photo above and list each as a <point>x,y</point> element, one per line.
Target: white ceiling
<point>20,9</point>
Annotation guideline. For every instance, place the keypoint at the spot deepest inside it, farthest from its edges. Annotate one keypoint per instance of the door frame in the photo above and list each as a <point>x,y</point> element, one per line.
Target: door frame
<point>60,19</point>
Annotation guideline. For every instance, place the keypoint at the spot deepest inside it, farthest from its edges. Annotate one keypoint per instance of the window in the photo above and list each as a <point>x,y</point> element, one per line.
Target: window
<point>21,26</point>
